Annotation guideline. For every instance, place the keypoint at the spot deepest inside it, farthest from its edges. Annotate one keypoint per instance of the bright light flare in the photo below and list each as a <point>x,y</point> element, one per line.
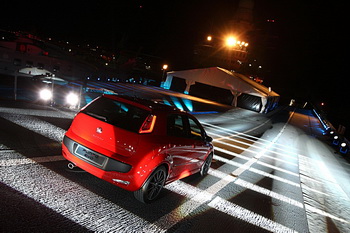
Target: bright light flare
<point>231,41</point>
<point>72,99</point>
<point>45,94</point>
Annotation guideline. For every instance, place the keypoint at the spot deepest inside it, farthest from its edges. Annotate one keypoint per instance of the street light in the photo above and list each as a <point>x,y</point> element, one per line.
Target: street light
<point>165,66</point>
<point>230,41</point>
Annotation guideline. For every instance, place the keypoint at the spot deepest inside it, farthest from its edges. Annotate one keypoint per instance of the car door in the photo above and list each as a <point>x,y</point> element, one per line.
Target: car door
<point>200,146</point>
<point>179,145</point>
<point>186,147</point>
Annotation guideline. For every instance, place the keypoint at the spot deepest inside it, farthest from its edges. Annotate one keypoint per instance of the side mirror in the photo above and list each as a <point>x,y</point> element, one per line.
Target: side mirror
<point>208,139</point>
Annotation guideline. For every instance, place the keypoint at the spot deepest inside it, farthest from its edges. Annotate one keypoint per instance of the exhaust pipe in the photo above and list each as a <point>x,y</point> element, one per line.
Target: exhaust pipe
<point>71,166</point>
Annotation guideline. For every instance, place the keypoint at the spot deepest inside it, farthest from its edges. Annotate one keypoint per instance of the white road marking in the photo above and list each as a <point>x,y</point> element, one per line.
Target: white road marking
<point>72,200</point>
<point>36,125</point>
<point>233,133</point>
<point>41,113</point>
<point>256,152</point>
<point>197,197</point>
<point>320,207</point>
<point>34,160</point>
<point>248,216</point>
<point>256,171</point>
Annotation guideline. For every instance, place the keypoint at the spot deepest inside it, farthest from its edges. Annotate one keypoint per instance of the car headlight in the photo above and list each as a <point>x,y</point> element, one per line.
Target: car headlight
<point>45,94</point>
<point>72,99</point>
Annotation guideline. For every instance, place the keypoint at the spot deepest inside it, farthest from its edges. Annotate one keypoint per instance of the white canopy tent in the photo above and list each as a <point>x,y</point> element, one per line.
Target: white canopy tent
<point>223,86</point>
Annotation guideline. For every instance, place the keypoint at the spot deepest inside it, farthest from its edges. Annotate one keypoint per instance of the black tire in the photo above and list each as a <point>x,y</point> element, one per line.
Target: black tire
<point>152,187</point>
<point>206,165</point>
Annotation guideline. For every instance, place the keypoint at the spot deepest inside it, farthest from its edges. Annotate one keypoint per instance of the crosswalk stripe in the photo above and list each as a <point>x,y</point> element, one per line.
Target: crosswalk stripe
<point>36,125</point>
<point>72,200</point>
<point>23,161</point>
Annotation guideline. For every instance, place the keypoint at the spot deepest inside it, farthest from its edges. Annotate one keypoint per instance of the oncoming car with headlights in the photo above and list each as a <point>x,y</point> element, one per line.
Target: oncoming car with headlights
<point>136,144</point>
<point>60,97</point>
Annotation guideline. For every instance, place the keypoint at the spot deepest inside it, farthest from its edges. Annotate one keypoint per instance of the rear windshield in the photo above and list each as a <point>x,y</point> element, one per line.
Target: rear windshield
<point>117,113</point>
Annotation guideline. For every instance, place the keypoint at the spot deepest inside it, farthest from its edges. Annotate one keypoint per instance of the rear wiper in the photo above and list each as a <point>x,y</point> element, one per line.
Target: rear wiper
<point>97,116</point>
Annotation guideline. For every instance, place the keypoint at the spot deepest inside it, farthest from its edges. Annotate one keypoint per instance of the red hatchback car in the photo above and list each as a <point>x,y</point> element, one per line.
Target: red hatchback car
<point>136,144</point>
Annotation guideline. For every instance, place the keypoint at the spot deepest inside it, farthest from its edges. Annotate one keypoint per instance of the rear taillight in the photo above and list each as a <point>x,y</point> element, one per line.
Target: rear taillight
<point>148,125</point>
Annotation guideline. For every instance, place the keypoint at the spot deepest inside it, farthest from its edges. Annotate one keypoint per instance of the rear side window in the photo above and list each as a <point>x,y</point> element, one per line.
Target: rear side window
<point>176,126</point>
<point>183,126</point>
<point>117,113</point>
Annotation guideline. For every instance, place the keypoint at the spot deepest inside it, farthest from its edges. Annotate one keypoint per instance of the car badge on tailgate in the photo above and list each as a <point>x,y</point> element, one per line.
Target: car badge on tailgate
<point>98,130</point>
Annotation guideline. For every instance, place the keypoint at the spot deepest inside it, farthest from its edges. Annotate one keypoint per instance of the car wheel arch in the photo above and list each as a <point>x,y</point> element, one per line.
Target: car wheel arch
<point>206,164</point>
<point>142,193</point>
<point>165,165</point>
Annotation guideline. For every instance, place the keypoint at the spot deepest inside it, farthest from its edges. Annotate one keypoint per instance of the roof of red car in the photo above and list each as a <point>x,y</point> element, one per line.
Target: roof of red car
<point>142,103</point>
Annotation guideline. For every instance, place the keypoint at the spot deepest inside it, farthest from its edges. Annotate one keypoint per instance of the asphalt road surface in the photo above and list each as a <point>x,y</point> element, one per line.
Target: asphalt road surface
<point>271,173</point>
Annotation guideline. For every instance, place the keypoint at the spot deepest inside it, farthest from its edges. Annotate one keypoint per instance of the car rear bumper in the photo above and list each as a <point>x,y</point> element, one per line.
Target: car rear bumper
<point>101,166</point>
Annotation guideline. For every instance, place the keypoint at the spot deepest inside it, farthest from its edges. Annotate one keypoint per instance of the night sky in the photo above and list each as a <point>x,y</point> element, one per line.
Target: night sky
<point>308,61</point>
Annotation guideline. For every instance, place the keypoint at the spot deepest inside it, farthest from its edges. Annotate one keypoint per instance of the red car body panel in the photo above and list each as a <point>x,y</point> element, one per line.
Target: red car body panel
<point>137,154</point>
<point>113,139</point>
